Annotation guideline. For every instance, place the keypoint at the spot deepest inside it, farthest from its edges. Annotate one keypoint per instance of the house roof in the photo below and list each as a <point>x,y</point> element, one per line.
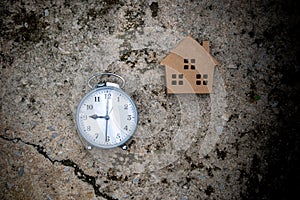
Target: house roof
<point>190,48</point>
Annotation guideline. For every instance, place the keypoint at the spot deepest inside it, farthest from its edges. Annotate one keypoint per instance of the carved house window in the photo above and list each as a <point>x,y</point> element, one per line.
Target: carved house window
<point>177,79</point>
<point>189,64</point>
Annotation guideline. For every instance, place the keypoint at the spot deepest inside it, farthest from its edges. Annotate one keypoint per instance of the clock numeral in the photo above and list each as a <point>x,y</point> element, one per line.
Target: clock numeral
<point>97,135</point>
<point>97,99</point>
<point>126,107</point>
<point>107,139</point>
<point>129,117</point>
<point>89,107</point>
<point>118,137</point>
<point>84,117</point>
<point>126,128</point>
<point>118,99</point>
<point>107,96</point>
<point>88,128</point>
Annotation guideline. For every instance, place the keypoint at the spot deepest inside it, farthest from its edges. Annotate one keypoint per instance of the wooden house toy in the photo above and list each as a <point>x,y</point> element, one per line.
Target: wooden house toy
<point>189,68</point>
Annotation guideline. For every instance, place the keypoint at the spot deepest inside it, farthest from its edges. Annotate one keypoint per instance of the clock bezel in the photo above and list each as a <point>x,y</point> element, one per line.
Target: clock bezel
<point>82,133</point>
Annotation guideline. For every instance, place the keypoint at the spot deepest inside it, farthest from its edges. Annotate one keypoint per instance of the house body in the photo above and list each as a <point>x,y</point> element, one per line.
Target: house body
<point>189,68</point>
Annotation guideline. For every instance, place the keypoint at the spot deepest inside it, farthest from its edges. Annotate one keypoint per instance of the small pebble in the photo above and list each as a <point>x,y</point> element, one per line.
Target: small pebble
<point>51,128</point>
<point>21,171</point>
<point>17,153</point>
<point>66,169</point>
<point>33,124</point>
<point>136,180</point>
<point>46,12</point>
<point>27,135</point>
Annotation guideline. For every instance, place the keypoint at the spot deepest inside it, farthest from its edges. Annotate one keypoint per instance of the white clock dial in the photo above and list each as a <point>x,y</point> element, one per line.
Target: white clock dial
<point>106,117</point>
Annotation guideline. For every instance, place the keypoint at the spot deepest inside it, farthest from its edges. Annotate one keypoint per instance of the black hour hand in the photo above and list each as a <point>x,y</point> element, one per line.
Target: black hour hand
<point>96,116</point>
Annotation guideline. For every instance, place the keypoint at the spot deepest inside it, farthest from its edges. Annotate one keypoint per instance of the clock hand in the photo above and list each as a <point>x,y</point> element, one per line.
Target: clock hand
<point>96,116</point>
<point>107,102</point>
<point>106,119</point>
<point>106,124</point>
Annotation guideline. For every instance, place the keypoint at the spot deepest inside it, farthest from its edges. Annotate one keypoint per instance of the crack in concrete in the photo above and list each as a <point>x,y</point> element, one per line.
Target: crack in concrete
<point>91,180</point>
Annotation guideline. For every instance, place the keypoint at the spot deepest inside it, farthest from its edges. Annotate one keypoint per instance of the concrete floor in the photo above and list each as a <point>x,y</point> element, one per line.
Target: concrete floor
<point>240,142</point>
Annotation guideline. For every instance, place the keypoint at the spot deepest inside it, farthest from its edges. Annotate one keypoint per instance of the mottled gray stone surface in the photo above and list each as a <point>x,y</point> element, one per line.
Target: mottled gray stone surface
<point>217,146</point>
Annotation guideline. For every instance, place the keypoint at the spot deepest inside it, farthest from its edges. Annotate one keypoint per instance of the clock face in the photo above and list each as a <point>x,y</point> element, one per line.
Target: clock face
<point>106,117</point>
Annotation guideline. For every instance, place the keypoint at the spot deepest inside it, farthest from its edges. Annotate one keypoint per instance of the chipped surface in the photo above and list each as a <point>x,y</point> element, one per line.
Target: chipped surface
<point>231,144</point>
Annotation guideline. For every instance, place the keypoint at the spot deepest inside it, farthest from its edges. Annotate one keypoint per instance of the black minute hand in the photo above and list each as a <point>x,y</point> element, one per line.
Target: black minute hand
<point>106,119</point>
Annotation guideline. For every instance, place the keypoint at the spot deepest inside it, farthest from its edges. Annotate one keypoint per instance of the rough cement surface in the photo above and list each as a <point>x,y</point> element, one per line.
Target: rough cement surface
<point>240,142</point>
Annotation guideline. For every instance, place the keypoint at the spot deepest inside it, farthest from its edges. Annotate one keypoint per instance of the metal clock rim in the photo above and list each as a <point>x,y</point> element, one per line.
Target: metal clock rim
<point>87,139</point>
<point>106,74</point>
